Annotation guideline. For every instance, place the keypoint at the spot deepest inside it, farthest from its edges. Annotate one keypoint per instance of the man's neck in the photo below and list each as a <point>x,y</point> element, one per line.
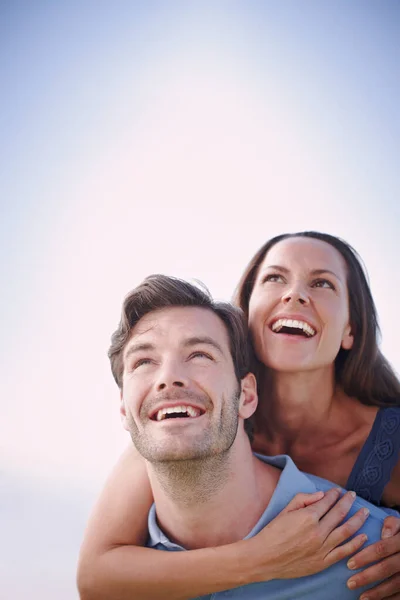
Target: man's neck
<point>214,501</point>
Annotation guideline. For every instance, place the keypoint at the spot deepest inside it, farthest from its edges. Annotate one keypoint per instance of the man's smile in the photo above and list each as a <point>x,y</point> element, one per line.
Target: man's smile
<point>180,411</point>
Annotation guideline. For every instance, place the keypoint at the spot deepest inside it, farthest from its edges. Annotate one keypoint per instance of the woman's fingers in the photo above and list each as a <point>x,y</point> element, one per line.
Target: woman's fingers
<point>375,552</point>
<point>302,500</point>
<point>320,508</point>
<point>345,550</point>
<point>391,526</point>
<point>349,528</point>
<point>389,589</point>
<point>387,553</point>
<point>386,570</point>
<point>338,513</point>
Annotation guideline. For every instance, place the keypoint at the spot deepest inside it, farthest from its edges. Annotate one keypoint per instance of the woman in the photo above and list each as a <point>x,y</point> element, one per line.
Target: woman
<point>328,398</point>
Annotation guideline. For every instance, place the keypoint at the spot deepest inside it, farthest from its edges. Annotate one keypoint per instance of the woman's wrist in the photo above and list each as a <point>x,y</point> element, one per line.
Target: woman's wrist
<point>255,562</point>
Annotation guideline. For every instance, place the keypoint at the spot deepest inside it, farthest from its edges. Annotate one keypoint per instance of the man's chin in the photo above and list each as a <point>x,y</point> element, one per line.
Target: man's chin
<point>174,455</point>
<point>166,448</point>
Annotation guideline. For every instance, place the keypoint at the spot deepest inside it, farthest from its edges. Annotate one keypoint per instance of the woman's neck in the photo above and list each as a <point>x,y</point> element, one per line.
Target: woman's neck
<point>293,406</point>
<point>312,419</point>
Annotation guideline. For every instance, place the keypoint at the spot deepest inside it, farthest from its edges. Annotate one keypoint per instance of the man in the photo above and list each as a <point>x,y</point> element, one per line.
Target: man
<point>181,362</point>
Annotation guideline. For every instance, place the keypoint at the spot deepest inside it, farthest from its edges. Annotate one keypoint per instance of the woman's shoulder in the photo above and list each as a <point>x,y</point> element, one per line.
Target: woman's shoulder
<point>387,448</point>
<point>391,494</point>
<point>391,410</point>
<point>376,474</point>
<point>388,426</point>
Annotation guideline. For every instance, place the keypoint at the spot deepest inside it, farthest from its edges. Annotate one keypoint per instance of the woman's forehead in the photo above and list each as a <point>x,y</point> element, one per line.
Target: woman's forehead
<point>309,253</point>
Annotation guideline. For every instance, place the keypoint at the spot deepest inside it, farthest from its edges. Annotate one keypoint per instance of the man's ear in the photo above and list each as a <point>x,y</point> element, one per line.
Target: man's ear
<point>122,411</point>
<point>348,338</point>
<point>248,398</point>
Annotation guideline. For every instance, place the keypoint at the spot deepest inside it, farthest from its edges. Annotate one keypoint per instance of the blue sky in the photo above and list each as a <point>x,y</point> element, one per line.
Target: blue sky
<point>175,137</point>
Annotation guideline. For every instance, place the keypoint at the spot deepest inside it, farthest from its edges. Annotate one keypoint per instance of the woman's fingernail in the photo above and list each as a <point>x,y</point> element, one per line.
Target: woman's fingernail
<point>351,584</point>
<point>351,564</point>
<point>386,533</point>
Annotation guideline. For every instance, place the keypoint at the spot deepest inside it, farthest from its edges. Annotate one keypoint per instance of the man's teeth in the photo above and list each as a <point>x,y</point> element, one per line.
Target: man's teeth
<point>277,326</point>
<point>190,411</point>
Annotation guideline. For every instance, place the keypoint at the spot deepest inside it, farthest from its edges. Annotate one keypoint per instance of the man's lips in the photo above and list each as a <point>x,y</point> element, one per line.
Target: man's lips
<point>176,410</point>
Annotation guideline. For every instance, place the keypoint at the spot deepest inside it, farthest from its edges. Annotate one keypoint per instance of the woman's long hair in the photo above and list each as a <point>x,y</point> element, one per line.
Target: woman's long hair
<point>363,372</point>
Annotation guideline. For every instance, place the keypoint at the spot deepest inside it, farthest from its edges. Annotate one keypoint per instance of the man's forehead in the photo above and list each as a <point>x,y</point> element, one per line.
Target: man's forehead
<point>182,321</point>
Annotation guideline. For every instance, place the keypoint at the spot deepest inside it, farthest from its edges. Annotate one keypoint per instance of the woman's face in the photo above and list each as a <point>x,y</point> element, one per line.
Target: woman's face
<point>299,307</point>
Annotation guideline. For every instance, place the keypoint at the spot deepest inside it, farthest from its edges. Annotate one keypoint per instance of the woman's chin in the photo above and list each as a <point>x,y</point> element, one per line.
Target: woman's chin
<point>290,363</point>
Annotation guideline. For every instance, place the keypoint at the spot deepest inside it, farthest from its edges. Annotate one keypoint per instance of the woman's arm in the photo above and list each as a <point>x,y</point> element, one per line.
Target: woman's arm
<point>387,553</point>
<point>384,556</point>
<point>113,565</point>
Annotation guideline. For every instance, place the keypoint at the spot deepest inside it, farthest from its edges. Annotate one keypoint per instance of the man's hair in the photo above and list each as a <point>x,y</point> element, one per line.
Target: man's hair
<point>160,291</point>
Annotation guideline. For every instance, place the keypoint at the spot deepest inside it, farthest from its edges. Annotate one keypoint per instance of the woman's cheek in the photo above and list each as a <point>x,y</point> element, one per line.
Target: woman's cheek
<point>256,340</point>
<point>256,319</point>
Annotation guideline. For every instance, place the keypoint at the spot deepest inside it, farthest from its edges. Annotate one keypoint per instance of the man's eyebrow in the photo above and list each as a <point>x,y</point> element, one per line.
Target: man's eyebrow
<point>313,272</point>
<point>195,340</point>
<point>134,348</point>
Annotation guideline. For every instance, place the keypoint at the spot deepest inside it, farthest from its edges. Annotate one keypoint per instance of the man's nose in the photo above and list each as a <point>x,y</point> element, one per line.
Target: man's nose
<point>171,376</point>
<point>296,293</point>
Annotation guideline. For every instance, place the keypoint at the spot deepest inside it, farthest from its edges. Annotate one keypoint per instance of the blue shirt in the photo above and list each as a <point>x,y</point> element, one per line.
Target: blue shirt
<point>327,585</point>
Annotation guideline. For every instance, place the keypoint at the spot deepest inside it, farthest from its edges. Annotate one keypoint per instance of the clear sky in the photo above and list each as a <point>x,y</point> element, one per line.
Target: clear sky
<point>174,137</point>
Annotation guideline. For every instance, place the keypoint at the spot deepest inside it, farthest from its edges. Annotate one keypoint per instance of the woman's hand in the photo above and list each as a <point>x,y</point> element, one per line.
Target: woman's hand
<point>307,537</point>
<point>387,552</point>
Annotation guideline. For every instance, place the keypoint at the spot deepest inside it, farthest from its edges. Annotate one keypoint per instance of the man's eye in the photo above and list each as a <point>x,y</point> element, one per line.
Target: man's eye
<point>273,278</point>
<point>140,363</point>
<point>323,283</point>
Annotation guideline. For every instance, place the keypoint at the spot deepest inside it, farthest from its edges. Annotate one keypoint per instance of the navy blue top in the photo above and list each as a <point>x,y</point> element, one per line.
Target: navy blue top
<point>378,456</point>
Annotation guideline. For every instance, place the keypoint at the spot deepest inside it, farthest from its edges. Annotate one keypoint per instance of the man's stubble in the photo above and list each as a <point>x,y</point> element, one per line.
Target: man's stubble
<point>194,473</point>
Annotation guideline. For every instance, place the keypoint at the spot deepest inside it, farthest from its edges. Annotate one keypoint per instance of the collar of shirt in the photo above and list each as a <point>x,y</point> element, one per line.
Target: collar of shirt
<point>290,483</point>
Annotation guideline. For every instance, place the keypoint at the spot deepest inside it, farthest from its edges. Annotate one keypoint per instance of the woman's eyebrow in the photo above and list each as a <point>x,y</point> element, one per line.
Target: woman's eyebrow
<point>278,268</point>
<point>322,271</point>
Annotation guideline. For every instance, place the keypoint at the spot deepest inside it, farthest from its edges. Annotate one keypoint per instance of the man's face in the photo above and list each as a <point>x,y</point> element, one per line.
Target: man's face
<point>180,396</point>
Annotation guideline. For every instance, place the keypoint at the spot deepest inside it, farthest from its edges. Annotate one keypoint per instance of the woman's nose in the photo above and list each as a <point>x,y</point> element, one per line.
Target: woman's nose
<point>296,294</point>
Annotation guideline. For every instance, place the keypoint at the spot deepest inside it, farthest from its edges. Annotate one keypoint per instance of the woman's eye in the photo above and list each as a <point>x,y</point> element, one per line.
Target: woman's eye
<point>323,283</point>
<point>200,354</point>
<point>273,278</point>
